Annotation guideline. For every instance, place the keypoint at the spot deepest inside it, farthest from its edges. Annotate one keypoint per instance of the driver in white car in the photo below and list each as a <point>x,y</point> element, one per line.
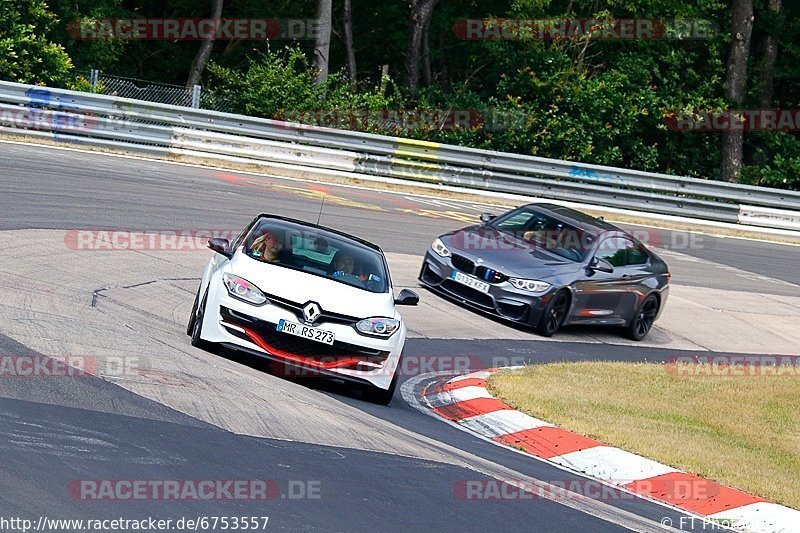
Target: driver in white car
<point>267,248</point>
<point>344,264</point>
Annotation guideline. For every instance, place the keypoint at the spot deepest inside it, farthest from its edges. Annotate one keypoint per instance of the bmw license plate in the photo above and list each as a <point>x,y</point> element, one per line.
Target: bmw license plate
<point>469,281</point>
<point>306,332</point>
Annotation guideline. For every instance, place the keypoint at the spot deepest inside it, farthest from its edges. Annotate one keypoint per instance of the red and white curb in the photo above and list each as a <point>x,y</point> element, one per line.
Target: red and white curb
<point>464,400</point>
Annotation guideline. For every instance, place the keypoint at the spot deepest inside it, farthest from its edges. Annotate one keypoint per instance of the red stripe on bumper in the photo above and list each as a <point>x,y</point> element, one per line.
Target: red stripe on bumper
<point>327,365</point>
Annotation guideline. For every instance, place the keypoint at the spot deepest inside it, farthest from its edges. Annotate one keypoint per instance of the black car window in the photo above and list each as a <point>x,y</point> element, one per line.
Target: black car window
<point>614,250</point>
<point>546,232</point>
<point>636,255</point>
<point>621,251</point>
<point>514,221</point>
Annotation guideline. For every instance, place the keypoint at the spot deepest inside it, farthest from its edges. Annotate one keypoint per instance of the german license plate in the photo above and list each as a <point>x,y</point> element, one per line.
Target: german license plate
<point>306,332</point>
<point>469,281</point>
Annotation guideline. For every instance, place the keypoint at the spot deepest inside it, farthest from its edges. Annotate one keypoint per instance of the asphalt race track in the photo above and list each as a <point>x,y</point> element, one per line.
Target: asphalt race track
<point>341,464</point>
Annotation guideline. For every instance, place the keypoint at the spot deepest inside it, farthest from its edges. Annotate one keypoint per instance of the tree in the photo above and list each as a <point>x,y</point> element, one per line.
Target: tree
<point>281,84</point>
<point>421,14</point>
<point>350,52</point>
<point>426,55</point>
<point>27,55</point>
<point>735,83</point>
<point>87,54</point>
<point>322,43</point>
<point>770,56</point>
<point>204,52</point>
<point>605,102</point>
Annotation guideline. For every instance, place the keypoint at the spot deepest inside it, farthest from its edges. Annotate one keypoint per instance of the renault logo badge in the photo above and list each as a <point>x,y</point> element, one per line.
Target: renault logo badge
<point>311,312</point>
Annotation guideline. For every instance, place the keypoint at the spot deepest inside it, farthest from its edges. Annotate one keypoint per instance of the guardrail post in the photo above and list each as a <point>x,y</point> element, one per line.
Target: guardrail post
<point>196,96</point>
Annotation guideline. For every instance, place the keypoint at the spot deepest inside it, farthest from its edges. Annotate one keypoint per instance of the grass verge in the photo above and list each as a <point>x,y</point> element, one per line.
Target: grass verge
<point>741,431</point>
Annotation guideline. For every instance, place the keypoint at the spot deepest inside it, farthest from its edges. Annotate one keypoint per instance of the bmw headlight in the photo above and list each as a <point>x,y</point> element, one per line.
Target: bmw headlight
<point>530,285</point>
<point>379,327</point>
<point>243,290</point>
<point>440,249</point>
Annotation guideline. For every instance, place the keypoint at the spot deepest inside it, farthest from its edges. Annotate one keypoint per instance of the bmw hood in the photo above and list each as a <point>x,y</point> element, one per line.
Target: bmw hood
<point>506,253</point>
<point>302,287</point>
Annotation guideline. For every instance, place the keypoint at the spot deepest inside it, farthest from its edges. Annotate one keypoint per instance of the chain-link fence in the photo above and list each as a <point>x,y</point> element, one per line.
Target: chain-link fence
<point>152,91</point>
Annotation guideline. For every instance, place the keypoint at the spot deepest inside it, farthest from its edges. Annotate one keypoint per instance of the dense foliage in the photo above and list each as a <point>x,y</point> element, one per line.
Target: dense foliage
<point>27,52</point>
<point>597,101</point>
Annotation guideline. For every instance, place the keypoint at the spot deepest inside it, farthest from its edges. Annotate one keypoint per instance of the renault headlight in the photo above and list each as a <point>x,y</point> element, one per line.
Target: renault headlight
<point>378,327</point>
<point>243,290</point>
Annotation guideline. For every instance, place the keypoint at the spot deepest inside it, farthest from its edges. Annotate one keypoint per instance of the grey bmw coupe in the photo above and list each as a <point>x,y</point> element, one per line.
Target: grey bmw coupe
<point>546,266</point>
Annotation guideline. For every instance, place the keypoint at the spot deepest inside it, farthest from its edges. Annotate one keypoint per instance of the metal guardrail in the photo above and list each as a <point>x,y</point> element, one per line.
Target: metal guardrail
<point>165,129</point>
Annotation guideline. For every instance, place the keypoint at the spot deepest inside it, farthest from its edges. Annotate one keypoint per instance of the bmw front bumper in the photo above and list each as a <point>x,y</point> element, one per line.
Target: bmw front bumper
<point>503,299</point>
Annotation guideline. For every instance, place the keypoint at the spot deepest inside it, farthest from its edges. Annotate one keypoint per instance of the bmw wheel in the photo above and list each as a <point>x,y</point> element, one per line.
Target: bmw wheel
<point>554,315</point>
<point>643,321</point>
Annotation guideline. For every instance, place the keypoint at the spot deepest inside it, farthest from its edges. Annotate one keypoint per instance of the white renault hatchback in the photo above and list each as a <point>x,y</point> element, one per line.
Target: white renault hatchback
<point>311,299</point>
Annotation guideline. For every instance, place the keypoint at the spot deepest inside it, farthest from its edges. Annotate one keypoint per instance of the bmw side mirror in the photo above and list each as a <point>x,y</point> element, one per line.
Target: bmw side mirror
<point>221,246</point>
<point>407,297</point>
<point>601,265</point>
<point>487,217</point>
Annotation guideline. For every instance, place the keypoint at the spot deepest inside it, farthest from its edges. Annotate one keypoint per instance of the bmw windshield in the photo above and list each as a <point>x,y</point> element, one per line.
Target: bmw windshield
<point>544,231</point>
<point>317,252</point>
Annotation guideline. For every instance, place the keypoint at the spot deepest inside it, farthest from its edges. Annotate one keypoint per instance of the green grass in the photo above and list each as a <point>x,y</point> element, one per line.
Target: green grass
<point>741,431</point>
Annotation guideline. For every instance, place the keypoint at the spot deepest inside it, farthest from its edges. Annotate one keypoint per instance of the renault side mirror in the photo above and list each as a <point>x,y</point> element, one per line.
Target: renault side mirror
<point>221,246</point>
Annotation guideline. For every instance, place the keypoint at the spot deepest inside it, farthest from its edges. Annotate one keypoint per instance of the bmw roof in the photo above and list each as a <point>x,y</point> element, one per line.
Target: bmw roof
<point>575,218</point>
